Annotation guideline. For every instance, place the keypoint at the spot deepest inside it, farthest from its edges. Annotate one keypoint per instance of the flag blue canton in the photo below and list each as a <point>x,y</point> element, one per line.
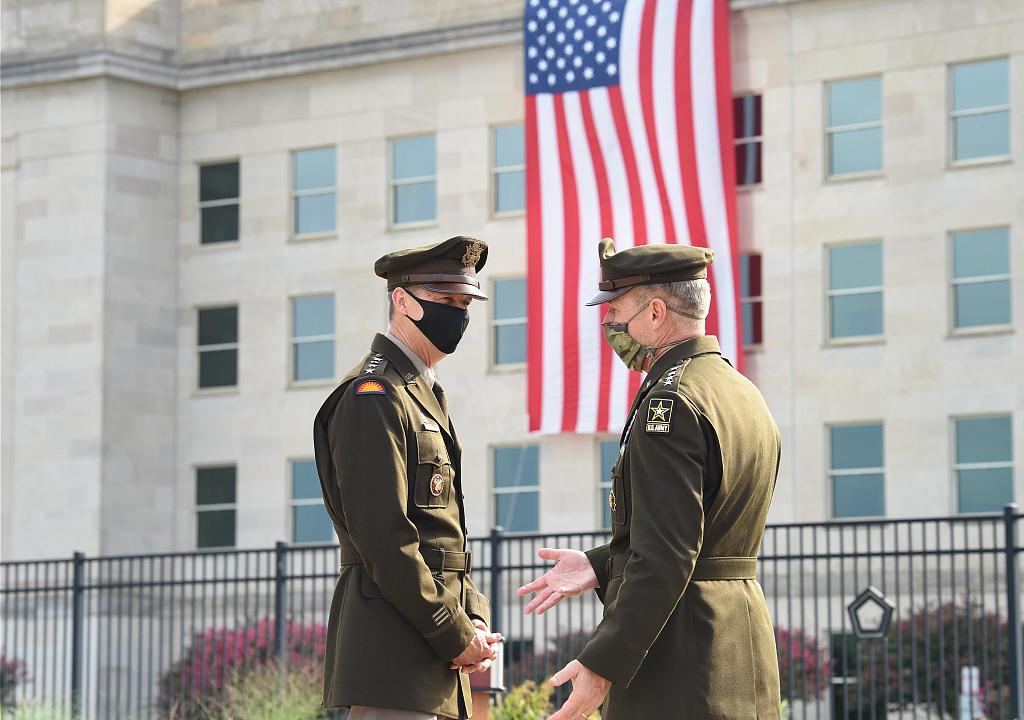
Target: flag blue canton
<point>572,44</point>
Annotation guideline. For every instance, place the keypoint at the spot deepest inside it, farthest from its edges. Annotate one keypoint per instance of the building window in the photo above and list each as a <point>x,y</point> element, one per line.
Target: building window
<point>857,470</point>
<point>854,132</point>
<point>750,300</point>
<point>313,198</point>
<point>509,322</point>
<point>984,463</point>
<point>609,456</point>
<point>508,176</point>
<point>218,347</point>
<point>746,112</point>
<point>980,110</point>
<point>981,278</point>
<point>218,203</point>
<point>855,290</point>
<point>310,522</point>
<point>413,179</point>
<point>517,488</point>
<point>215,506</point>
<point>312,337</point>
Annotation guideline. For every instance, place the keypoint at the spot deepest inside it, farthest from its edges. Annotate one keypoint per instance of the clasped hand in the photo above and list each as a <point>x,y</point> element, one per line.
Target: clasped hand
<point>480,652</point>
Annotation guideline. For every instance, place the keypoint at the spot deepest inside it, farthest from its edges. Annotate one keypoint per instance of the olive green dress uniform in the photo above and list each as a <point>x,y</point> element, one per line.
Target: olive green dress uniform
<point>390,470</point>
<point>686,632</point>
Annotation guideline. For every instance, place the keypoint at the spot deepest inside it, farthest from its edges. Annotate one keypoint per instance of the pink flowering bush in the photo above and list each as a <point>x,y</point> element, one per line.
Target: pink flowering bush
<point>194,687</point>
<point>804,667</point>
<point>12,674</point>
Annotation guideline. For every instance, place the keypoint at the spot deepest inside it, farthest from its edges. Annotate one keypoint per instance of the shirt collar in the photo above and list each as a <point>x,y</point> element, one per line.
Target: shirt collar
<point>421,367</point>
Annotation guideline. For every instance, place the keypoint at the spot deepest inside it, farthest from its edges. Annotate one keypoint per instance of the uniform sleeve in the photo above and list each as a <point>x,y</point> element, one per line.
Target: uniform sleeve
<point>598,558</point>
<point>667,478</point>
<point>477,604</point>
<point>368,447</point>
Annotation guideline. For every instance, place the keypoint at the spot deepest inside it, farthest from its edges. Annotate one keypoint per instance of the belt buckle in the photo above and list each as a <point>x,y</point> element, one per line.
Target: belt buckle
<point>469,561</point>
<point>439,573</point>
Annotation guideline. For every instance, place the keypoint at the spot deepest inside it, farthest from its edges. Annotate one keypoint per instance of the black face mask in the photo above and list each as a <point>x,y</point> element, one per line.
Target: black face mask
<point>444,325</point>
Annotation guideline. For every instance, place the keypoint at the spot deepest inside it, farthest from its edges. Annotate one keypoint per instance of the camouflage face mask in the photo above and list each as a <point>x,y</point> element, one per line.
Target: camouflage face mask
<point>629,350</point>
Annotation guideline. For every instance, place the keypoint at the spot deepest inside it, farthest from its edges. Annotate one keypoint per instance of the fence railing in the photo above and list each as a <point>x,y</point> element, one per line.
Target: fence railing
<point>140,636</point>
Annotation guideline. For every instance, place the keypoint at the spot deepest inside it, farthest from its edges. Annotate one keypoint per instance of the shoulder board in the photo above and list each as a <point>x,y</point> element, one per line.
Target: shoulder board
<point>374,365</point>
<point>671,376</point>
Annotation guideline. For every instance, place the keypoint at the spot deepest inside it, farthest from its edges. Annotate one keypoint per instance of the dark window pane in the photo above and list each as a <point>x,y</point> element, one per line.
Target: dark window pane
<point>510,191</point>
<point>314,169</point>
<point>218,326</point>
<point>314,360</point>
<point>857,446</point>
<point>984,440</point>
<point>606,511</point>
<point>311,524</point>
<point>215,485</point>
<point>510,344</point>
<point>855,101</point>
<point>215,528</point>
<point>857,315</point>
<point>981,84</point>
<point>858,495</point>
<point>752,332</point>
<point>218,368</point>
<point>978,136</point>
<point>981,252</point>
<point>518,512</point>
<point>748,163</point>
<point>509,146</point>
<point>854,151</point>
<point>746,112</point>
<point>313,315</point>
<point>855,266</point>
<point>414,157</point>
<point>305,481</point>
<point>314,213</point>
<point>510,299</point>
<point>750,275</point>
<point>218,182</point>
<point>415,203</point>
<point>984,490</point>
<point>980,304</point>
<point>219,224</point>
<point>516,466</point>
<point>609,456</point>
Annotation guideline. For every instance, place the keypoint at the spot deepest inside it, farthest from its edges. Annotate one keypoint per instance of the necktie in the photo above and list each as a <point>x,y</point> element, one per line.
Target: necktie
<point>442,399</point>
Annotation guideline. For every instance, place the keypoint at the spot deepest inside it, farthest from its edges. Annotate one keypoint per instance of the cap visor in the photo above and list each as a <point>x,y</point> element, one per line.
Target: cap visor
<point>604,296</point>
<point>456,289</point>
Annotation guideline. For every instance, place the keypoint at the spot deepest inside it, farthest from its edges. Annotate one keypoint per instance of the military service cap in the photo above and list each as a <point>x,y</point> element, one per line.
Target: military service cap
<point>647,265</point>
<point>447,267</point>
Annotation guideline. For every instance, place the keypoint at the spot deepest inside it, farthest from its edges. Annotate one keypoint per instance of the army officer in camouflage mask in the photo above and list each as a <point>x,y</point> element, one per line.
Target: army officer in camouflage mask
<point>686,632</point>
<point>407,624</point>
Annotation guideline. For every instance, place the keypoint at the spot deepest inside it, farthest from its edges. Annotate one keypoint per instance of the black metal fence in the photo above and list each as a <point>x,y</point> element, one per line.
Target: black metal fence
<point>160,636</point>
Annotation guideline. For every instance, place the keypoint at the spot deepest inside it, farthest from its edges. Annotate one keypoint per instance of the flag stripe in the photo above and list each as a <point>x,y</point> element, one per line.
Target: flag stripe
<point>534,269</point>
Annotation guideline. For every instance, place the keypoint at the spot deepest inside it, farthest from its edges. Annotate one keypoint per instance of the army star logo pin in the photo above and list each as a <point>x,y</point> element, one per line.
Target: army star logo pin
<point>472,255</point>
<point>436,485</point>
<point>659,415</point>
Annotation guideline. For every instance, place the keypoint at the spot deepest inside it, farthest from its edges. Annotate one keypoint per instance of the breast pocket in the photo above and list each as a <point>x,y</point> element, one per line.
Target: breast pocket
<point>434,471</point>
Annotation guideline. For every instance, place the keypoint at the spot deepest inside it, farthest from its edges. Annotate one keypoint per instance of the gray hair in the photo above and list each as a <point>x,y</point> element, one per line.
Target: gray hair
<point>693,297</point>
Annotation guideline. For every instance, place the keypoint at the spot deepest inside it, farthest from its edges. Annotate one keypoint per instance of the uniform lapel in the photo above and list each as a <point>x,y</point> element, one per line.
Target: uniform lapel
<point>428,401</point>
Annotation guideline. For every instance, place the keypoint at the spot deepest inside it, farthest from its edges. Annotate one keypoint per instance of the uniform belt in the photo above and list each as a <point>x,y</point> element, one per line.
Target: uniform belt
<point>708,568</point>
<point>436,559</point>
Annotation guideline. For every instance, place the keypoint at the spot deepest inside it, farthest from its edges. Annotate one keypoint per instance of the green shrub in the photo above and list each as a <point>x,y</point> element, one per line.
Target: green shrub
<point>268,693</point>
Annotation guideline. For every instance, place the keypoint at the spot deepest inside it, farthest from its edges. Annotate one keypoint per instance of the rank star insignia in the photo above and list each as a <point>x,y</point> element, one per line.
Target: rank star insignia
<point>659,415</point>
<point>436,485</point>
<point>472,255</point>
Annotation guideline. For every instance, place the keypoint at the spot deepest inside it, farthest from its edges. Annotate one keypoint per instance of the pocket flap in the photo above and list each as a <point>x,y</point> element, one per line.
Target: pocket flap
<point>430,449</point>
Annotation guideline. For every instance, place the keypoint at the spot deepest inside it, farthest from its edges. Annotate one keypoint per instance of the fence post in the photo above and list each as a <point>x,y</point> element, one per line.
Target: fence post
<point>1013,608</point>
<point>280,581</point>
<point>495,598</point>
<point>77,592</point>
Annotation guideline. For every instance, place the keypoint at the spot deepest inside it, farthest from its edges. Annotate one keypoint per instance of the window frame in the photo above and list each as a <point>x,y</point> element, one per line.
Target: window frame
<point>495,491</point>
<point>759,139</point>
<point>832,473</point>
<point>293,503</point>
<point>201,204</point>
<point>212,507</point>
<point>294,194</point>
<point>953,282</point>
<point>604,486</point>
<point>952,115</point>
<point>956,466</point>
<point>492,360</point>
<point>865,290</point>
<point>830,130</point>
<point>199,349</point>
<point>293,341</point>
<point>392,183</point>
<point>495,171</point>
<point>746,300</point>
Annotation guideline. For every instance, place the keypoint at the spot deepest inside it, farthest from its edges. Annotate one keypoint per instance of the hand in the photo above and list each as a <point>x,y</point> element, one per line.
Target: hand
<point>572,575</point>
<point>480,652</point>
<point>588,691</point>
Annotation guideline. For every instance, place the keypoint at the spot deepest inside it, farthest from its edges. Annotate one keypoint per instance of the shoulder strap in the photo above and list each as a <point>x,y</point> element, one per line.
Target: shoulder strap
<point>375,365</point>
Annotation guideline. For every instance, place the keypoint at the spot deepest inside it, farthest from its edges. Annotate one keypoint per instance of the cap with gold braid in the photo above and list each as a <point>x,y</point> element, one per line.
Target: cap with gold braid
<point>447,267</point>
<point>647,265</point>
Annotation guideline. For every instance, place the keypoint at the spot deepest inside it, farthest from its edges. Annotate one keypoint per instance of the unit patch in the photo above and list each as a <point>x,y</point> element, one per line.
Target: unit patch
<point>659,415</point>
<point>370,387</point>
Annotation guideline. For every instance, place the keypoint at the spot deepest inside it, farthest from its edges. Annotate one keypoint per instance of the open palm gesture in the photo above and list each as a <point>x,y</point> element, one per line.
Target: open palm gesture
<point>572,575</point>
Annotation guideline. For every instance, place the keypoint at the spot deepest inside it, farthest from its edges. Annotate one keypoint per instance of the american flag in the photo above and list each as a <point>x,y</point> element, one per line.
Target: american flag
<point>628,135</point>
